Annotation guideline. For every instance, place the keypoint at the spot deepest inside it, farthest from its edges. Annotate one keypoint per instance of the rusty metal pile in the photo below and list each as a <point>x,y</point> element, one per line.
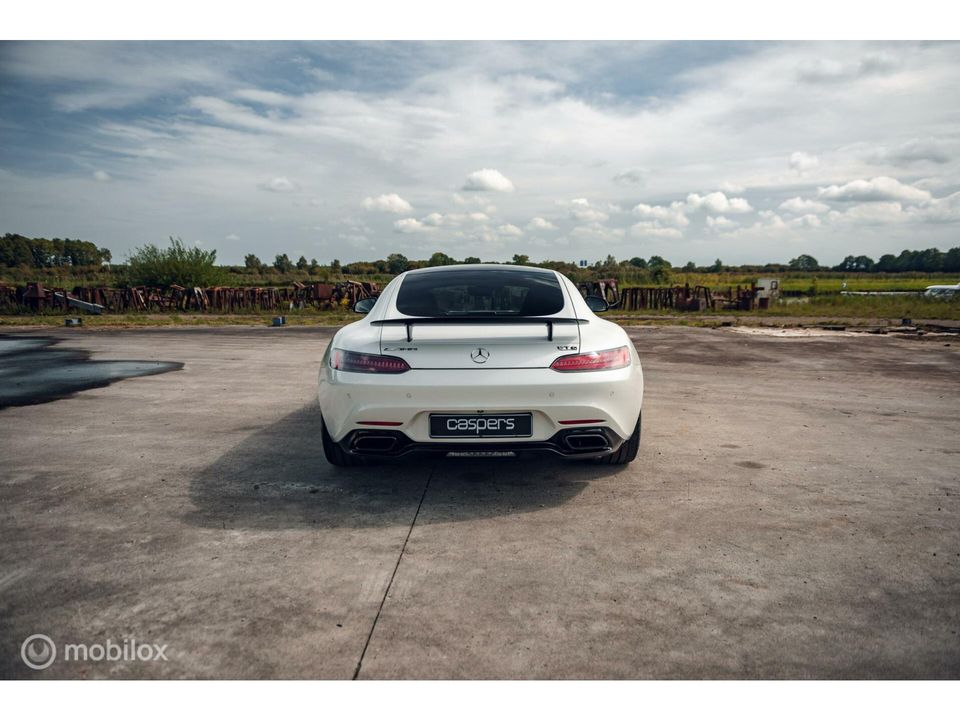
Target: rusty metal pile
<point>678,297</point>
<point>323,296</point>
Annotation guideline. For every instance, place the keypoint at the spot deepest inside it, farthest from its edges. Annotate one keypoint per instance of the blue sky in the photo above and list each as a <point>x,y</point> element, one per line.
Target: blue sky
<point>750,152</point>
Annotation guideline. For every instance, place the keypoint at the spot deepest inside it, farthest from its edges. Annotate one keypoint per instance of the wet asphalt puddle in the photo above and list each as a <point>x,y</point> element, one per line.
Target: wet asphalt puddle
<point>34,370</point>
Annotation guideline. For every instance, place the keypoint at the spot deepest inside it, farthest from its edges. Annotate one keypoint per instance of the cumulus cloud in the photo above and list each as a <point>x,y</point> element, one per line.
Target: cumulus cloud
<point>802,162</point>
<point>872,213</point>
<point>878,189</point>
<point>632,176</point>
<point>718,202</point>
<point>672,215</point>
<point>720,223</point>
<point>510,230</point>
<point>392,203</point>
<point>409,225</point>
<point>801,206</point>
<point>101,176</point>
<point>487,180</point>
<point>582,211</point>
<point>279,185</point>
<point>539,223</point>
<point>436,219</point>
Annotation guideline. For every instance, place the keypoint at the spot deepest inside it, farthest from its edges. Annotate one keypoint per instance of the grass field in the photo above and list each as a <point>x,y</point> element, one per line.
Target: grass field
<point>833,307</point>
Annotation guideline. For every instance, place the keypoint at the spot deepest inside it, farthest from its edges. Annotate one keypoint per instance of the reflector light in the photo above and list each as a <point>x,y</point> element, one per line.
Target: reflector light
<point>379,423</point>
<point>364,363</point>
<point>579,422</point>
<point>601,360</point>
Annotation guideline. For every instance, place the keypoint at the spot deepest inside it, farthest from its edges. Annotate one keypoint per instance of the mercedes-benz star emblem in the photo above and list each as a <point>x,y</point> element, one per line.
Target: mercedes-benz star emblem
<point>480,355</point>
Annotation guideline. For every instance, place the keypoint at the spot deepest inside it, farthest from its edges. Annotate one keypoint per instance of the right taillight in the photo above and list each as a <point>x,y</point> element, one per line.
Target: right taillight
<point>600,360</point>
<point>365,363</point>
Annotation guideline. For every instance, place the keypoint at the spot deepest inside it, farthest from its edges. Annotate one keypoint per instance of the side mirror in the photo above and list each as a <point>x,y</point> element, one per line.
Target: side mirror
<point>364,306</point>
<point>596,303</point>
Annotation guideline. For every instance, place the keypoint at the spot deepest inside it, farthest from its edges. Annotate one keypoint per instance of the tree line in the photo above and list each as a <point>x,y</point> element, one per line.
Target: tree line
<point>165,264</point>
<point>930,260</point>
<point>18,250</point>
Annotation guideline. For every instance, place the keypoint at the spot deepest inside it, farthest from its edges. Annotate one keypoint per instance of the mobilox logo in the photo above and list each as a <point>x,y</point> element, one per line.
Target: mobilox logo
<point>39,651</point>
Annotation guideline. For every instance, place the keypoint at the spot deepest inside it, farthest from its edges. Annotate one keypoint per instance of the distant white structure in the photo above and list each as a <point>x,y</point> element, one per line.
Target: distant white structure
<point>942,291</point>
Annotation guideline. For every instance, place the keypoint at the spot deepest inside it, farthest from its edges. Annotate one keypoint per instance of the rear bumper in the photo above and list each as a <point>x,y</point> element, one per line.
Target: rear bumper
<point>611,398</point>
<point>574,443</point>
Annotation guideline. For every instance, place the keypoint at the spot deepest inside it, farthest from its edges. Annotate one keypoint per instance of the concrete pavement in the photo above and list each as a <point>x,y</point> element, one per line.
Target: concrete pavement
<point>793,513</point>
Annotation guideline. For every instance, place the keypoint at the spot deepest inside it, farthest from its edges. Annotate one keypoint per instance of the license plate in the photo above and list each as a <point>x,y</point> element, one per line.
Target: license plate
<point>505,425</point>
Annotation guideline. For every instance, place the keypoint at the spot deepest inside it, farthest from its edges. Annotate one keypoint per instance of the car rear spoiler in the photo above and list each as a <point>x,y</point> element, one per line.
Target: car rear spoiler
<point>474,320</point>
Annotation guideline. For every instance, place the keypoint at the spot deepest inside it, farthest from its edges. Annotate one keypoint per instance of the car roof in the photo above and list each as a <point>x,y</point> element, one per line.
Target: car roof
<point>484,266</point>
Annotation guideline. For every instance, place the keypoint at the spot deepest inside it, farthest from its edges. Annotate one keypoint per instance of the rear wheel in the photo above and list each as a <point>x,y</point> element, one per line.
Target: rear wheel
<point>335,454</point>
<point>628,451</point>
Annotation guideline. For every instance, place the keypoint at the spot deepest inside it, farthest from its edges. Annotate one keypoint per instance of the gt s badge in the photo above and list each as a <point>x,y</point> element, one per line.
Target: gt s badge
<point>567,347</point>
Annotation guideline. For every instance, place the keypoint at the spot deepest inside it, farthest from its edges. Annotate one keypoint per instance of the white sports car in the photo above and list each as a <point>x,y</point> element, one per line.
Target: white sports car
<point>481,359</point>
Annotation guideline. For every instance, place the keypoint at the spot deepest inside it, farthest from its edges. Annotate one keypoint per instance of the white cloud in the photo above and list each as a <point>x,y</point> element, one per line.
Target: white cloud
<point>673,215</point>
<point>510,230</point>
<point>872,213</point>
<point>720,223</point>
<point>878,189</point>
<point>582,211</point>
<point>392,203</point>
<point>539,223</point>
<point>436,219</point>
<point>942,210</point>
<point>802,162</point>
<point>717,202</point>
<point>410,225</point>
<point>801,206</point>
<point>487,180</point>
<point>731,187</point>
<point>808,220</point>
<point>279,185</point>
<point>101,176</point>
<point>232,237</point>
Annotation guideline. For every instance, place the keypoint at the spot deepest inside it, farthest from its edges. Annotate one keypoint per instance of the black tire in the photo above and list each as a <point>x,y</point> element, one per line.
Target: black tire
<point>335,454</point>
<point>628,451</point>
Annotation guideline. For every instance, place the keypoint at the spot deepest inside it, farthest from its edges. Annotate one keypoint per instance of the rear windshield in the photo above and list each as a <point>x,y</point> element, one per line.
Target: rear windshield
<point>451,293</point>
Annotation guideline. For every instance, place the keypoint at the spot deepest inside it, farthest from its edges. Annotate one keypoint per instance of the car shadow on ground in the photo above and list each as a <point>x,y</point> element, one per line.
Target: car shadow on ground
<point>278,478</point>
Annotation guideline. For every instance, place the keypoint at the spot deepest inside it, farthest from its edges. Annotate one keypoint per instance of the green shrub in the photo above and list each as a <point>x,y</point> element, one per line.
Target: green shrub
<point>175,265</point>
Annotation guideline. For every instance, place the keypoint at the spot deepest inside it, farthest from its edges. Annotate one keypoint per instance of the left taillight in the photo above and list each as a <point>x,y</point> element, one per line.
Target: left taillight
<point>599,360</point>
<point>366,363</point>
